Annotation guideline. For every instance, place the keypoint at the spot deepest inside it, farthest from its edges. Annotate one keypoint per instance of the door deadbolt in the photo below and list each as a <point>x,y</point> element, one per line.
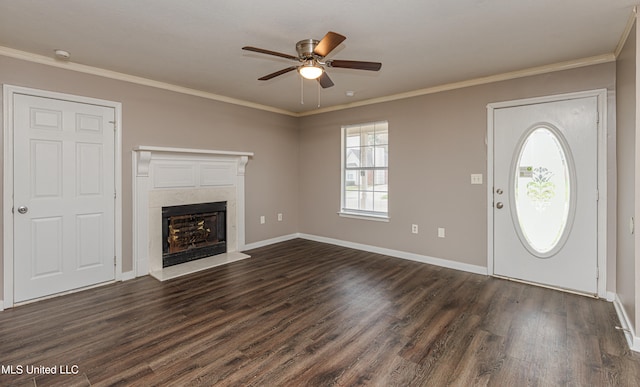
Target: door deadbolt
<point>23,209</point>
<point>499,205</point>
<point>499,191</point>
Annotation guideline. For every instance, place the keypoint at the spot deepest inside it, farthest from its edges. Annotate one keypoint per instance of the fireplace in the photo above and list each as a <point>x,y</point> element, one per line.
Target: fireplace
<point>193,231</point>
<point>175,177</point>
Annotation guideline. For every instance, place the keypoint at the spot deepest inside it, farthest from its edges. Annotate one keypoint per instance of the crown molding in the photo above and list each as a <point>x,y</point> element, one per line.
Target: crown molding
<point>605,58</point>
<point>627,30</point>
<point>27,56</point>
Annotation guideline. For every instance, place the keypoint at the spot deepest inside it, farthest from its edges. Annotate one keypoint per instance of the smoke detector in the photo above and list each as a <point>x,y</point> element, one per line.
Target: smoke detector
<point>62,54</point>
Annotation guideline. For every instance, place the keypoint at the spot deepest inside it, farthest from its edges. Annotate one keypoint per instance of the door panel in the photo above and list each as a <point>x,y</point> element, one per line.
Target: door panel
<point>63,196</point>
<point>545,193</point>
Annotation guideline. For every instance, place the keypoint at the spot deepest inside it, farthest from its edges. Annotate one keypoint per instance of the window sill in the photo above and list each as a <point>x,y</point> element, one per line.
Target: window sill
<point>353,215</point>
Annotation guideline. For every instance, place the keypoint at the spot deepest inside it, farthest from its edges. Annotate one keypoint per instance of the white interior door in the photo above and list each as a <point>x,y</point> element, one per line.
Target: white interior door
<point>545,193</point>
<point>63,195</point>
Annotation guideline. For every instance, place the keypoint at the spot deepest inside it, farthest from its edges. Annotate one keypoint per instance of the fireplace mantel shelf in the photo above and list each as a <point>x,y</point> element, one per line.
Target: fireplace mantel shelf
<point>147,148</point>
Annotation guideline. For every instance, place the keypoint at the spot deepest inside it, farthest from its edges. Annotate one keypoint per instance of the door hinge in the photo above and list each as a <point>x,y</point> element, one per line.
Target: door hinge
<point>597,195</point>
<point>115,195</point>
<point>115,261</point>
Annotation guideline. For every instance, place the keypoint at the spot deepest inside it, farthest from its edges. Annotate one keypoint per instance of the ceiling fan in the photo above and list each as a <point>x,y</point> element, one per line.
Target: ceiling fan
<point>311,54</point>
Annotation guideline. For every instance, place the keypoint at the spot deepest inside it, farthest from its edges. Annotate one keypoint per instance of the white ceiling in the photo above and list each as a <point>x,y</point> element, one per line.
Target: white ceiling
<point>421,43</point>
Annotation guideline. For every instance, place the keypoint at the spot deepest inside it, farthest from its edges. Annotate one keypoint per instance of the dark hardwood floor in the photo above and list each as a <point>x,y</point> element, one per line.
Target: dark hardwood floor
<point>302,313</point>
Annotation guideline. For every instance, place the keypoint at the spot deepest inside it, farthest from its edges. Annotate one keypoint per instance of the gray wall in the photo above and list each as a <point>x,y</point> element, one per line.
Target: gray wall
<point>157,117</point>
<point>436,142</point>
<point>626,139</point>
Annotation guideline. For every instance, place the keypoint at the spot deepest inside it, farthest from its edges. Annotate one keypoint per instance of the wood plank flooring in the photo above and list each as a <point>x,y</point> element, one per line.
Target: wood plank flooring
<point>302,313</point>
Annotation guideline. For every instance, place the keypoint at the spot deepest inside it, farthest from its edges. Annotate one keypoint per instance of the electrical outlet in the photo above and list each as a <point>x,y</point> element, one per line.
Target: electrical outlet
<point>440,232</point>
<point>262,220</point>
<point>414,228</point>
<point>279,217</point>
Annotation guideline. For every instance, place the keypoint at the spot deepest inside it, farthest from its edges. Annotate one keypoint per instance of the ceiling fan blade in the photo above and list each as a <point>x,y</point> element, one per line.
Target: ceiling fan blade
<point>330,41</point>
<point>355,64</point>
<point>324,80</point>
<point>269,52</point>
<point>280,72</point>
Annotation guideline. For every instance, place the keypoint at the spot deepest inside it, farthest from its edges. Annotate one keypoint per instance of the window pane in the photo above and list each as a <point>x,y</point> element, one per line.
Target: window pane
<point>352,157</point>
<point>382,138</point>
<point>367,159</point>
<point>380,179</point>
<point>381,156</point>
<point>366,200</point>
<point>351,179</point>
<point>353,137</point>
<point>351,200</point>
<point>380,201</point>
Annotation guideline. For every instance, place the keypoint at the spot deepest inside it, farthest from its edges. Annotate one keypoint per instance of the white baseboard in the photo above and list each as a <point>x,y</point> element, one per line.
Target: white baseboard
<point>267,242</point>
<point>626,325</point>
<point>374,249</point>
<point>1,305</point>
<point>400,254</point>
<point>127,275</point>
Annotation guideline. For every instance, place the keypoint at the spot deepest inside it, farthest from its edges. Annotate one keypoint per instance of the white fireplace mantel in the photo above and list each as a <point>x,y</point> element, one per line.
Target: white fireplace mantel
<point>164,176</point>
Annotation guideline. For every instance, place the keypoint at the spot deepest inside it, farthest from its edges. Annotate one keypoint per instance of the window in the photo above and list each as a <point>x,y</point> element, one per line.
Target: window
<point>365,175</point>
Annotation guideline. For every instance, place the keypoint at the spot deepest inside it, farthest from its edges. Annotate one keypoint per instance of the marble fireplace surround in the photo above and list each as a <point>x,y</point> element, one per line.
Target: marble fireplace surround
<point>176,176</point>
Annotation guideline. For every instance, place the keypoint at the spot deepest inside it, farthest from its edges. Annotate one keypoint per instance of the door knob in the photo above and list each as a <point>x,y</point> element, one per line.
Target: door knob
<point>499,205</point>
<point>23,209</point>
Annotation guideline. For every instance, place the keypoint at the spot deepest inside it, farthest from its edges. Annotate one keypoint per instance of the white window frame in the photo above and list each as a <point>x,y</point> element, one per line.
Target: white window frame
<point>358,214</point>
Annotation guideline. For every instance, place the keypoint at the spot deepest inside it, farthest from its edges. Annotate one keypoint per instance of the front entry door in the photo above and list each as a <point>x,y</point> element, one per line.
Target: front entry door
<point>545,193</point>
<point>63,195</point>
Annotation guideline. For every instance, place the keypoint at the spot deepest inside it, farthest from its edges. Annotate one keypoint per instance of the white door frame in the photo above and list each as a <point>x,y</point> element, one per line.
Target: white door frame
<point>601,94</point>
<point>7,194</point>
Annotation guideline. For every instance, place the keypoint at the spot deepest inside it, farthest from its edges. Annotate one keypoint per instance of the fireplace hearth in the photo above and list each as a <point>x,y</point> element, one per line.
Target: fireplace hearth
<point>193,231</point>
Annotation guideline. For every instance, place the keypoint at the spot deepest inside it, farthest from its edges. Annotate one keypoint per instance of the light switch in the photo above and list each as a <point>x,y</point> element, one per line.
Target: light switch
<point>476,178</point>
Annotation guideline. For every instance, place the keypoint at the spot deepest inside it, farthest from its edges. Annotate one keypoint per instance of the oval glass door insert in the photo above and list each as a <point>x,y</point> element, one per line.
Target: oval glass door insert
<point>543,194</point>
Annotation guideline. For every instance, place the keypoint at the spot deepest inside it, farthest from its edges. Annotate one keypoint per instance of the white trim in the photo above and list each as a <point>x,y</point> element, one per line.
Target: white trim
<point>568,65</point>
<point>213,174</point>
<point>8,93</point>
<point>400,254</point>
<point>197,265</point>
<point>374,249</point>
<point>190,151</point>
<point>627,31</point>
<point>128,275</point>
<point>353,215</point>
<point>267,242</point>
<point>27,56</point>
<point>550,68</point>
<point>601,95</point>
<point>627,327</point>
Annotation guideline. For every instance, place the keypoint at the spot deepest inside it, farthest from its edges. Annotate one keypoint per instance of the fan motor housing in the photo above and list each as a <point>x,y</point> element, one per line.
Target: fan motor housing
<point>305,48</point>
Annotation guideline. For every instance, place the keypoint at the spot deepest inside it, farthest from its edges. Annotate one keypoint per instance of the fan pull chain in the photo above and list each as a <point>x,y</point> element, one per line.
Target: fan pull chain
<point>301,91</point>
<point>318,84</point>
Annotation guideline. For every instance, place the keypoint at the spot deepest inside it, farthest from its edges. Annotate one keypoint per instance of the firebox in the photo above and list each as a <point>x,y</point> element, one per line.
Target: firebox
<point>193,231</point>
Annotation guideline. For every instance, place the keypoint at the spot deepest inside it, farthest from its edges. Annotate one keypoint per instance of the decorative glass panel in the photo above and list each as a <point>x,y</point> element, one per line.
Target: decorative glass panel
<point>542,190</point>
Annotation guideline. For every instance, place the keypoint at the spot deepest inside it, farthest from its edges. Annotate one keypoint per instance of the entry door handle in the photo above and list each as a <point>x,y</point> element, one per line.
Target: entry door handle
<point>23,209</point>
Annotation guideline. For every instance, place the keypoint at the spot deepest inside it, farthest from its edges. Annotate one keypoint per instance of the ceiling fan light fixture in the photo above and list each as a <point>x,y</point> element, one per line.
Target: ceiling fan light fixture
<point>310,70</point>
